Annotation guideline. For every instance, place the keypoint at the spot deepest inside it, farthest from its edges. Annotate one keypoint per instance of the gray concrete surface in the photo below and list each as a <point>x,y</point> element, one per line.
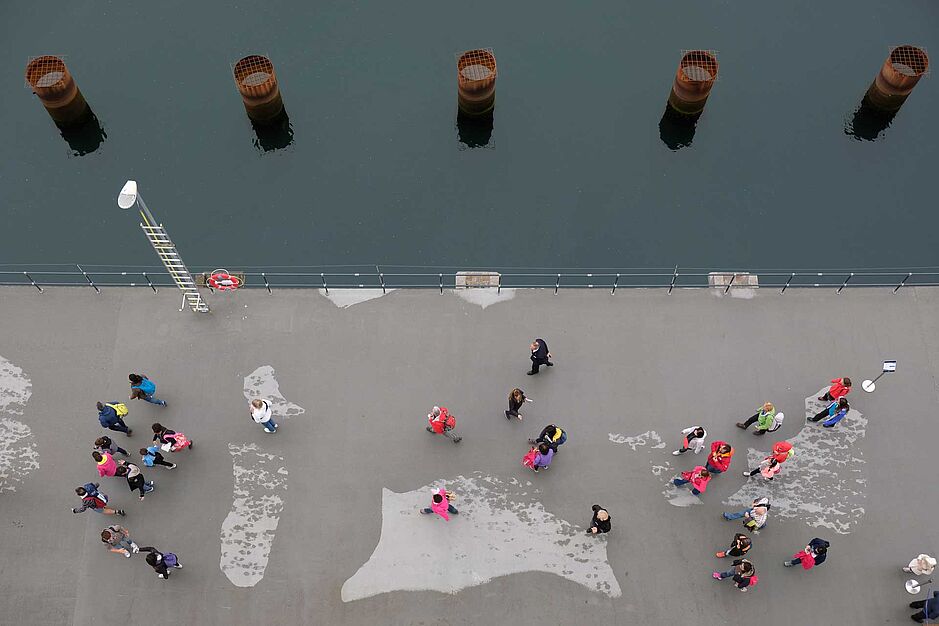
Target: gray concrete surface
<point>368,374</point>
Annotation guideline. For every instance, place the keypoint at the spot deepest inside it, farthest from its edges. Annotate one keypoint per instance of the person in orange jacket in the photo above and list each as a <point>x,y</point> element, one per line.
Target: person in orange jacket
<point>719,459</point>
<point>840,387</point>
<point>698,477</point>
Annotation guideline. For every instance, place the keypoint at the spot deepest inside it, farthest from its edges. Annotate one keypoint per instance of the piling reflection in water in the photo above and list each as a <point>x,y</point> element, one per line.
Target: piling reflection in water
<point>868,122</point>
<point>274,134</point>
<point>84,138</point>
<point>474,132</point>
<point>677,130</point>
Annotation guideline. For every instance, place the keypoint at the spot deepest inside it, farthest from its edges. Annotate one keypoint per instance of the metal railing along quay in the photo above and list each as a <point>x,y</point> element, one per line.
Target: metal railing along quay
<point>409,277</point>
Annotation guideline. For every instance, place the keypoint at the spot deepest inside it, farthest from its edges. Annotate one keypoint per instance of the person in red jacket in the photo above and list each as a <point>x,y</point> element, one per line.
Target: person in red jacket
<point>719,459</point>
<point>442,422</point>
<point>698,477</point>
<point>840,387</point>
<point>107,466</point>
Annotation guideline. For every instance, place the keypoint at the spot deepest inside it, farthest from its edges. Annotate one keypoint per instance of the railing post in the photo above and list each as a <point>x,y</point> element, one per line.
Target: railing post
<point>845,282</point>
<point>323,277</point>
<point>786,286</point>
<point>902,282</point>
<point>441,283</point>
<point>148,281</point>
<point>557,285</point>
<point>267,284</point>
<point>499,285</point>
<point>732,277</point>
<point>381,279</point>
<point>88,278</point>
<point>615,282</point>
<point>33,282</point>
<point>674,278</point>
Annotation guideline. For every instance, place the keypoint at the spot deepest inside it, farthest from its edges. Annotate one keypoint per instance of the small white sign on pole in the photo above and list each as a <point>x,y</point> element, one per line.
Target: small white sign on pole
<point>869,386</point>
<point>890,366</point>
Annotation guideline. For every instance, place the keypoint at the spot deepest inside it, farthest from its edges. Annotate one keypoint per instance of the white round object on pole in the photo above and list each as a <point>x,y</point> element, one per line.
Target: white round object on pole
<point>912,586</point>
<point>868,386</point>
<point>128,195</point>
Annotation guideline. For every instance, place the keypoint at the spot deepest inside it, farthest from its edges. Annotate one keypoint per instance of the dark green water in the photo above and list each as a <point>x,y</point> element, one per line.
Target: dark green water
<point>575,173</point>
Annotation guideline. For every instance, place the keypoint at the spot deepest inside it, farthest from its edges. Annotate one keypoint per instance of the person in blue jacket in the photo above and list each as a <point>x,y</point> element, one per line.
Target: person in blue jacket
<point>928,609</point>
<point>142,388</point>
<point>109,418</point>
<point>834,413</point>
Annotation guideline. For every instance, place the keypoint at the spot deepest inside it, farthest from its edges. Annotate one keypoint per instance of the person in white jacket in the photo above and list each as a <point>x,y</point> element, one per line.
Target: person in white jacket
<point>262,414</point>
<point>923,565</point>
<point>693,439</point>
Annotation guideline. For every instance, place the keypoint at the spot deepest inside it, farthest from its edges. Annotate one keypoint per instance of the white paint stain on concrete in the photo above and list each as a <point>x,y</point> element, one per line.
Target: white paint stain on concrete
<point>19,455</point>
<point>261,383</point>
<point>824,483</point>
<point>639,440</point>
<point>497,532</point>
<point>247,533</point>
<point>679,496</point>
<point>485,296</point>
<point>344,298</point>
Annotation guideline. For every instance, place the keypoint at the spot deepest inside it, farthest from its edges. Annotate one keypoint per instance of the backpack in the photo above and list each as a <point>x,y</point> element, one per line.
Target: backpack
<point>120,408</point>
<point>170,559</point>
<point>529,459</point>
<point>96,502</point>
<point>754,580</point>
<point>146,386</point>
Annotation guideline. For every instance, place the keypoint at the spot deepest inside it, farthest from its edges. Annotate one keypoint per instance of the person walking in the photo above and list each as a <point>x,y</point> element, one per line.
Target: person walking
<point>539,356</point>
<point>743,574</point>
<point>106,463</point>
<point>698,477</point>
<point>169,440</point>
<point>517,398</point>
<point>135,479</point>
<point>923,565</point>
<point>440,504</point>
<point>442,422</point>
<point>768,468</point>
<point>738,547</point>
<point>262,414</point>
<point>928,608</point>
<point>111,416</point>
<point>160,562</point>
<point>151,456</point>
<point>94,500</point>
<point>142,388</point>
<point>552,435</point>
<point>753,518</point>
<point>813,554</point>
<point>105,444</point>
<point>692,438</point>
<point>601,522</point>
<point>840,387</point>
<point>117,538</point>
<point>765,419</point>
<point>719,460</point>
<point>833,413</point>
<point>543,456</point>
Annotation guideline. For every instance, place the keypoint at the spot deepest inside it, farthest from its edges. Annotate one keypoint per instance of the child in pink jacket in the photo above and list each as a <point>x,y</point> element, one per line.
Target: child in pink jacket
<point>107,466</point>
<point>698,477</point>
<point>440,504</point>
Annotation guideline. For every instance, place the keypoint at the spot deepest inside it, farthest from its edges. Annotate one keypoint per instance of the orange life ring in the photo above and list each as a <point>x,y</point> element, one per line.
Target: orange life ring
<point>223,281</point>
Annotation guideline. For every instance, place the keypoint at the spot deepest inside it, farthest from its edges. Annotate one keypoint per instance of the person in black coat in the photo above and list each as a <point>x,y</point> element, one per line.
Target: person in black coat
<point>601,522</point>
<point>928,609</point>
<point>161,563</point>
<point>539,355</point>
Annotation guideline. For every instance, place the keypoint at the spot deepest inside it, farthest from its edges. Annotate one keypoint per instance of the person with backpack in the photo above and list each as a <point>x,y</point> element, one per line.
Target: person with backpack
<point>692,437</point>
<point>544,454</point>
<point>151,456</point>
<point>539,356</point>
<point>552,435</point>
<point>765,418</point>
<point>262,414</point>
<point>135,479</point>
<point>743,574</point>
<point>840,387</point>
<point>107,466</point>
<point>738,547</point>
<point>813,554</point>
<point>442,422</point>
<point>105,444</point>
<point>142,388</point>
<point>111,416</point>
<point>517,398</point>
<point>94,500</point>
<point>833,413</point>
<point>601,522</point>
<point>698,477</point>
<point>719,460</point>
<point>928,608</point>
<point>169,440</point>
<point>117,538</point>
<point>440,504</point>
<point>753,518</point>
<point>160,562</point>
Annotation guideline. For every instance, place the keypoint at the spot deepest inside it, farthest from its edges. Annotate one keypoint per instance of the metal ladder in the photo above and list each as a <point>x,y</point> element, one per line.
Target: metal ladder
<point>166,250</point>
